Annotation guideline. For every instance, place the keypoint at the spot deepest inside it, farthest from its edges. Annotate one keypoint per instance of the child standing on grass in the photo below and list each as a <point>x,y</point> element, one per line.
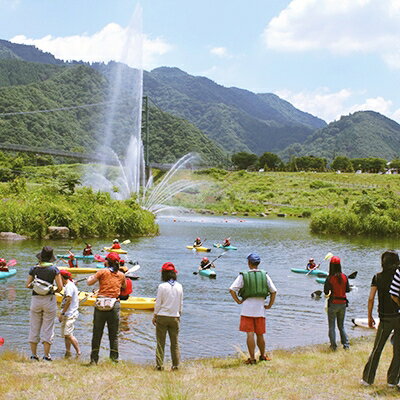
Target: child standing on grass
<point>253,287</point>
<point>69,313</point>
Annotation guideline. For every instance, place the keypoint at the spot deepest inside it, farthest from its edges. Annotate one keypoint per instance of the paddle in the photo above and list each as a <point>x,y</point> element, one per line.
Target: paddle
<point>353,275</point>
<point>196,272</point>
<point>327,257</point>
<point>127,241</point>
<point>131,271</point>
<point>88,295</point>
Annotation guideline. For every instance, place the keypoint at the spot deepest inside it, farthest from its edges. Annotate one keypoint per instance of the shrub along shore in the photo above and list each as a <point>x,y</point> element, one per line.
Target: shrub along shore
<point>303,373</point>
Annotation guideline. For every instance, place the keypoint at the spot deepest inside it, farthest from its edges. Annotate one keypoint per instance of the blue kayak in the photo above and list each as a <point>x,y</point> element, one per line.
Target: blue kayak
<point>317,272</point>
<point>77,256</point>
<point>220,246</point>
<point>320,280</point>
<point>6,274</point>
<point>208,272</point>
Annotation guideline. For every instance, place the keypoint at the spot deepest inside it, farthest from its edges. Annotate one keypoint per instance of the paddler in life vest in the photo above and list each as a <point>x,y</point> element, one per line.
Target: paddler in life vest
<point>197,242</point>
<point>72,261</point>
<point>253,286</point>
<point>227,242</point>
<point>3,265</point>
<point>124,295</point>
<point>116,244</point>
<point>87,251</point>
<point>205,264</point>
<point>311,264</point>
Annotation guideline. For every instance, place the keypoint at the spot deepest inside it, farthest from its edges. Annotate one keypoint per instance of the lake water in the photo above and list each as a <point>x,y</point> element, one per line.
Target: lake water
<point>209,325</point>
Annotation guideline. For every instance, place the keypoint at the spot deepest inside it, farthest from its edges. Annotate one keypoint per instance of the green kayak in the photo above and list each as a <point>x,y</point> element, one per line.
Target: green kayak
<point>6,274</point>
<point>220,246</point>
<point>321,280</point>
<point>317,272</point>
<point>208,272</point>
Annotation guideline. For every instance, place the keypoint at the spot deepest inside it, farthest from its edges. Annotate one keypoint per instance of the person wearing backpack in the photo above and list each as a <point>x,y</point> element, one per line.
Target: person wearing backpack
<point>253,287</point>
<point>43,309</point>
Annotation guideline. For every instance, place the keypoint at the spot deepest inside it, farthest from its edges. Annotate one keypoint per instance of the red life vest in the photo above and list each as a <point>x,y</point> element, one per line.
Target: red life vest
<point>128,289</point>
<point>116,246</point>
<point>73,263</point>
<point>338,295</point>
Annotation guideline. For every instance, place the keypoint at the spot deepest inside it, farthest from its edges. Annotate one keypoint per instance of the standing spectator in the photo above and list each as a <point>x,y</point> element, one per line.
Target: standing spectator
<point>253,287</point>
<point>389,319</point>
<point>167,313</point>
<point>69,313</point>
<point>43,310</point>
<point>336,287</point>
<point>107,307</point>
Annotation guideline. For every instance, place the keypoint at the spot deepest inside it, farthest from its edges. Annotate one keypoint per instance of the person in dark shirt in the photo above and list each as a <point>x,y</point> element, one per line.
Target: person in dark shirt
<point>389,317</point>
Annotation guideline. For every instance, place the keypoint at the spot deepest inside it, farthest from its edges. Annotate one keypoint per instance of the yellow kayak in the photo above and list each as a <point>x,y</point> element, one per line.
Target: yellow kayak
<point>119,251</point>
<point>81,270</point>
<point>200,248</point>
<point>134,303</point>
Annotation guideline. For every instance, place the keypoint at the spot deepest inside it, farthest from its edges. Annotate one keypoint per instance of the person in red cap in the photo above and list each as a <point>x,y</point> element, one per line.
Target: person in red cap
<point>116,244</point>
<point>197,242</point>
<point>69,313</point>
<point>3,265</point>
<point>205,264</point>
<point>167,313</point>
<point>72,261</point>
<point>111,281</point>
<point>87,251</point>
<point>336,286</point>
<point>227,242</point>
<point>311,264</point>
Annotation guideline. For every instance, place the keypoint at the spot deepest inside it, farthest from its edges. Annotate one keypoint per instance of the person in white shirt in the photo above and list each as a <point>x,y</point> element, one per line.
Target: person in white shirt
<point>167,312</point>
<point>69,313</point>
<point>250,289</point>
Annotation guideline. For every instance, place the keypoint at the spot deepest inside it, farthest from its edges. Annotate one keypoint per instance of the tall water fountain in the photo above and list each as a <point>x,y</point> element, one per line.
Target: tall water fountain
<point>125,94</point>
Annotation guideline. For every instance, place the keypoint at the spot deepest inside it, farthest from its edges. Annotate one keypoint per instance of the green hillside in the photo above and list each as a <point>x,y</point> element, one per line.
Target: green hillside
<point>237,119</point>
<point>359,135</point>
<point>32,86</point>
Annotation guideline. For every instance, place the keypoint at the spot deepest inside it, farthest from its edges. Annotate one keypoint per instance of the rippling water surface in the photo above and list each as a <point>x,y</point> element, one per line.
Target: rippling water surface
<point>209,325</point>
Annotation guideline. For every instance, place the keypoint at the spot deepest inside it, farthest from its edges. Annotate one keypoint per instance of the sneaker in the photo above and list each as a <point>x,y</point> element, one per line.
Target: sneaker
<point>333,348</point>
<point>34,357</point>
<point>364,383</point>
<point>47,358</point>
<point>249,361</point>
<point>174,368</point>
<point>67,354</point>
<point>159,368</point>
<point>391,385</point>
<point>265,358</point>
<point>346,347</point>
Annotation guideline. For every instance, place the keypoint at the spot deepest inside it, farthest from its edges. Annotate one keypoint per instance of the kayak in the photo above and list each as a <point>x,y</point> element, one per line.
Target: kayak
<point>119,251</point>
<point>312,272</point>
<point>7,274</point>
<point>208,272</point>
<point>78,257</point>
<point>363,322</point>
<point>82,270</point>
<point>135,303</point>
<point>220,246</point>
<point>200,248</point>
<point>320,280</point>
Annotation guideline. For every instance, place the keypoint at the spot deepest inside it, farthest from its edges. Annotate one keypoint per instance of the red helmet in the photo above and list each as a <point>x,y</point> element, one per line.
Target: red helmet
<point>3,262</point>
<point>198,239</point>
<point>205,259</point>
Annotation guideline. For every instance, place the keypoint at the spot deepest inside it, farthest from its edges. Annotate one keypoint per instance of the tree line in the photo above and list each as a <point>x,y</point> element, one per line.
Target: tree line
<point>272,162</point>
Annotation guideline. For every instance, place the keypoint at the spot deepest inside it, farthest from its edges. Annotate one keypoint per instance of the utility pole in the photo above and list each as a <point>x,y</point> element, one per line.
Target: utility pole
<point>146,137</point>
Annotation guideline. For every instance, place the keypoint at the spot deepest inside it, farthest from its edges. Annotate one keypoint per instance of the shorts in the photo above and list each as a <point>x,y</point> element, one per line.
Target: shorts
<point>252,324</point>
<point>67,326</point>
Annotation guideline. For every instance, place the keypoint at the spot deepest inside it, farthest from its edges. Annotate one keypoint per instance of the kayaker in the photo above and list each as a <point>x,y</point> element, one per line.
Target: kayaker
<point>227,242</point>
<point>107,306</point>
<point>205,264</point>
<point>115,244</point>
<point>167,313</point>
<point>3,265</point>
<point>87,251</point>
<point>72,261</point>
<point>336,286</point>
<point>197,242</point>
<point>69,313</point>
<point>43,310</point>
<point>389,317</point>
<point>253,291</point>
<point>311,264</point>
<point>124,295</point>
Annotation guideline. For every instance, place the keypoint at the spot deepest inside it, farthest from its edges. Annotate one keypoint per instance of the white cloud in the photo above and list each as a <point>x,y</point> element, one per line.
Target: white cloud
<point>113,42</point>
<point>220,52</point>
<point>339,26</point>
<point>331,106</point>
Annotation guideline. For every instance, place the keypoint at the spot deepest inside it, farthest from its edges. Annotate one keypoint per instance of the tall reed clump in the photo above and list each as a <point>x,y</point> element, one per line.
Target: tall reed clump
<point>370,215</point>
<point>85,213</point>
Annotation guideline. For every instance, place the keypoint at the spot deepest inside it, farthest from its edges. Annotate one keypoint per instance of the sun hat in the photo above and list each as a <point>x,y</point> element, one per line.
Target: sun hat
<point>112,257</point>
<point>335,260</point>
<point>46,254</point>
<point>66,274</point>
<point>168,266</point>
<point>254,258</point>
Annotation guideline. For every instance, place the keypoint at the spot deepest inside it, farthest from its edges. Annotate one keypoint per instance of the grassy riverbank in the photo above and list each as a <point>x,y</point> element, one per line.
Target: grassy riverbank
<point>303,373</point>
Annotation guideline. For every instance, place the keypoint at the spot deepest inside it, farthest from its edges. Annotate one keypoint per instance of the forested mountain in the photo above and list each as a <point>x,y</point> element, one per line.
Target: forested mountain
<point>359,135</point>
<point>33,86</point>
<point>237,119</point>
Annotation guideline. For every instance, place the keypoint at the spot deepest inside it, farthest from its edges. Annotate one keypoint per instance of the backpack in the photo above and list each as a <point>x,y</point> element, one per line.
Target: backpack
<point>42,287</point>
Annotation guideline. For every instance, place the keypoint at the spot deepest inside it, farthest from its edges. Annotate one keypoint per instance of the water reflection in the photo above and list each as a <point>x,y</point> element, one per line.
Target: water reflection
<point>210,319</point>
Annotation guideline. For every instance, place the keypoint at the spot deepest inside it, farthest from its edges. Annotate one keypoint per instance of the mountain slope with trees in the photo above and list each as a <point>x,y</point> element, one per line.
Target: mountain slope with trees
<point>359,135</point>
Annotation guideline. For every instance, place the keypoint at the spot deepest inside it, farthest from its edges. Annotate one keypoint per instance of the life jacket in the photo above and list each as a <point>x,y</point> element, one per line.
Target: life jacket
<point>226,243</point>
<point>254,284</point>
<point>128,289</point>
<point>87,251</point>
<point>338,295</point>
<point>73,263</point>
<point>116,246</point>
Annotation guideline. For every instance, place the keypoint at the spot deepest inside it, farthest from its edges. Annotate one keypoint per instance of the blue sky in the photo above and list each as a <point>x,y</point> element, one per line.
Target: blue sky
<point>327,57</point>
